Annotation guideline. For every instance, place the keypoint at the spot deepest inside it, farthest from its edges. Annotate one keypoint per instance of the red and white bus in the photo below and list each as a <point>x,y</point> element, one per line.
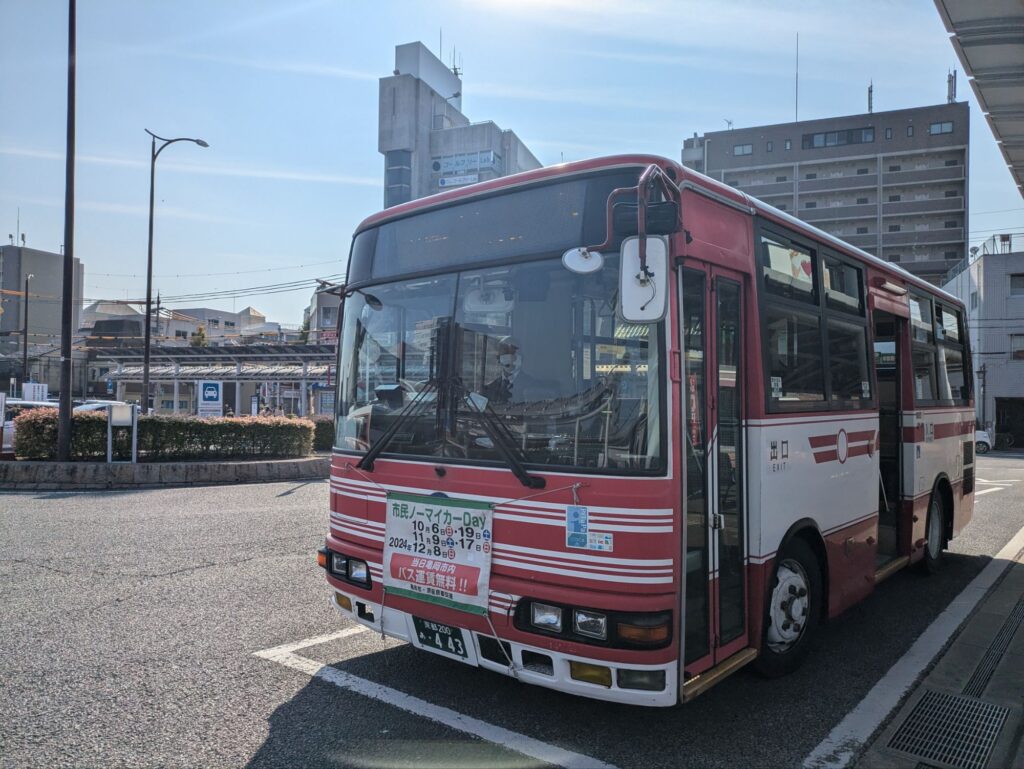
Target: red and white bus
<point>617,429</point>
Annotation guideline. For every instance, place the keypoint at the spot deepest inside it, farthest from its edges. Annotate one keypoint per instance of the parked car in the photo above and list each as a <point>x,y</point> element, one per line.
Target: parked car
<point>96,406</point>
<point>14,407</point>
<point>982,443</point>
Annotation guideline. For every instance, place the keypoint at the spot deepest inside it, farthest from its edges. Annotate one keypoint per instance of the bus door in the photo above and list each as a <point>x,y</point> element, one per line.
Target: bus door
<point>713,380</point>
<point>889,329</point>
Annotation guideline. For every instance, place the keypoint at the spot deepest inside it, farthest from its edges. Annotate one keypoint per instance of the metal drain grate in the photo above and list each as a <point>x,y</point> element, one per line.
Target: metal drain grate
<point>950,729</point>
<point>983,673</point>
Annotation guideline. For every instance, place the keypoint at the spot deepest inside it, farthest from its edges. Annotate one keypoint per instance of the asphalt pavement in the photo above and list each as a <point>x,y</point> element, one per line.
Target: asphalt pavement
<point>131,622</point>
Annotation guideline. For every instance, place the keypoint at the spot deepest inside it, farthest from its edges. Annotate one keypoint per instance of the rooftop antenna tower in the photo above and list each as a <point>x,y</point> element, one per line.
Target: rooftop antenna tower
<point>796,89</point>
<point>871,96</point>
<point>728,124</point>
<point>951,87</point>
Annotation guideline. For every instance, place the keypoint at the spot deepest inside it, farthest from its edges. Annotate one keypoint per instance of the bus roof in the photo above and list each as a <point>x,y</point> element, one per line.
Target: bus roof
<point>685,177</point>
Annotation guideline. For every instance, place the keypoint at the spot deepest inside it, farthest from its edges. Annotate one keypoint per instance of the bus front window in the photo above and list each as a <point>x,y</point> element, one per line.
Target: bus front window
<point>530,347</point>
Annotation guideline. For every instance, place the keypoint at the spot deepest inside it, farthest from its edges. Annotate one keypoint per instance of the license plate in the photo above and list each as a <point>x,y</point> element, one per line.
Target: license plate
<point>437,635</point>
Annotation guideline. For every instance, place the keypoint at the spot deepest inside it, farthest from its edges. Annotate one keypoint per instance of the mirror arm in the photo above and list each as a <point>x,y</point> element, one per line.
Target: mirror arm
<point>652,177</point>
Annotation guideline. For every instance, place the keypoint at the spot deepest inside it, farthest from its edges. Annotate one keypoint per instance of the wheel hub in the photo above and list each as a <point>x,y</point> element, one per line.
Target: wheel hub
<point>789,606</point>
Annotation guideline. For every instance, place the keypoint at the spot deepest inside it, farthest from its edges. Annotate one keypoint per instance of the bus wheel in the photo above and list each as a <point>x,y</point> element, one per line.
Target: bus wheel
<point>794,608</point>
<point>934,535</point>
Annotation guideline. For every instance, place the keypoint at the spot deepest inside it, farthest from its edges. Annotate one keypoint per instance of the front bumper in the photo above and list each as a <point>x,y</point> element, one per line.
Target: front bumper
<point>556,675</point>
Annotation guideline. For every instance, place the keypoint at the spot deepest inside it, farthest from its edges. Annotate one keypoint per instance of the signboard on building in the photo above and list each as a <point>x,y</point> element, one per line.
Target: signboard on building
<point>458,181</point>
<point>466,161</point>
<point>211,398</point>
<point>35,391</point>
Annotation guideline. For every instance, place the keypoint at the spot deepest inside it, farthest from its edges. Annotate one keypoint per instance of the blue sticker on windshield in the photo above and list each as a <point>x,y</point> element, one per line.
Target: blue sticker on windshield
<point>576,525</point>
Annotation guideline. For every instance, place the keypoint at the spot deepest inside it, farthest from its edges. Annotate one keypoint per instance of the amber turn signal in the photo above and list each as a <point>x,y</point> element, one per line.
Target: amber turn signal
<point>321,559</point>
<point>643,636</point>
<point>343,601</point>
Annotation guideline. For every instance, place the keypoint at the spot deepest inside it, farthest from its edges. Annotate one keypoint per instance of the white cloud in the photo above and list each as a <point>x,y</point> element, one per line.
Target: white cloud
<point>203,169</point>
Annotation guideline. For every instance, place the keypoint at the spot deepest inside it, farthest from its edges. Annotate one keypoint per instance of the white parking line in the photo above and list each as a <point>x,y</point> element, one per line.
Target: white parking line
<point>542,751</point>
<point>843,743</point>
<point>989,491</point>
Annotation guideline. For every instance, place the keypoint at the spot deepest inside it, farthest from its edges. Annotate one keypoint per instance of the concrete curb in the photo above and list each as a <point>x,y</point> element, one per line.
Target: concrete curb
<point>79,476</point>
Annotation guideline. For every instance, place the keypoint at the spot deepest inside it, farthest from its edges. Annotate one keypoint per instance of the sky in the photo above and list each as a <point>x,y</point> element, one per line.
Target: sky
<point>285,93</point>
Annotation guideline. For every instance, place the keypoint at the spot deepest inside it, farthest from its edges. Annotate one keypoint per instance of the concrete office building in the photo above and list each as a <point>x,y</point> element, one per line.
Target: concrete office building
<point>44,311</point>
<point>427,143</point>
<point>991,285</point>
<point>893,183</point>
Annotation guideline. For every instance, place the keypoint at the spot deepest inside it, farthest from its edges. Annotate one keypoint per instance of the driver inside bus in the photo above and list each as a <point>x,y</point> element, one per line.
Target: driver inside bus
<point>513,385</point>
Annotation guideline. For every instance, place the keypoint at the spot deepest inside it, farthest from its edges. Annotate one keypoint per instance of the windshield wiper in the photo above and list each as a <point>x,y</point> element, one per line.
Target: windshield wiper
<point>502,439</point>
<point>366,461</point>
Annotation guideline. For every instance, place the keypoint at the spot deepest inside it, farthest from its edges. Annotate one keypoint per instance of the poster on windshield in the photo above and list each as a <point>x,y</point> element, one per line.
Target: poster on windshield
<point>438,550</point>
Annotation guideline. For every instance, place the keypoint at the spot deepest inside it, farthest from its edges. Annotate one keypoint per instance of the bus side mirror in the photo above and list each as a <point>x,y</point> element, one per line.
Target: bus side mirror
<point>643,283</point>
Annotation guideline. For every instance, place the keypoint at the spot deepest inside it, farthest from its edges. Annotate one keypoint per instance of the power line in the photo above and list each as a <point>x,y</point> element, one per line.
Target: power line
<point>212,274</point>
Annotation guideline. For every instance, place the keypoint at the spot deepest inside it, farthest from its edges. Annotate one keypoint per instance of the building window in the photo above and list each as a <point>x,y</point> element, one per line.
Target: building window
<point>952,162</point>
<point>895,257</point>
<point>950,224</point>
<point>895,168</point>
<point>782,178</point>
<point>950,193</point>
<point>1017,346</point>
<point>862,230</point>
<point>397,177</point>
<point>838,138</point>
<point>861,171</point>
<point>1017,285</point>
<point>894,198</point>
<point>214,322</point>
<point>770,146</point>
<point>788,145</point>
<point>743,149</point>
<point>974,300</point>
<point>229,324</point>
<point>810,176</point>
<point>941,128</point>
<point>179,334</point>
<point>862,201</point>
<point>910,130</point>
<point>888,133</point>
<point>810,204</point>
<point>894,228</point>
<point>949,255</point>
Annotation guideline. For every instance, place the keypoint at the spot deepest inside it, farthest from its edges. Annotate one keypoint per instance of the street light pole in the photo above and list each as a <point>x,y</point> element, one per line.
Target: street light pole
<point>24,340</point>
<point>154,153</point>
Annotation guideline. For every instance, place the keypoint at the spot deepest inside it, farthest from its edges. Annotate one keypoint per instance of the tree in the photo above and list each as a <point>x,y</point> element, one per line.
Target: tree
<point>304,334</point>
<point>199,338</point>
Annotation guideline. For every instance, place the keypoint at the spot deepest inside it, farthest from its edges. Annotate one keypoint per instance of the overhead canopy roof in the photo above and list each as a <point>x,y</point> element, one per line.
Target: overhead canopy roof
<point>988,36</point>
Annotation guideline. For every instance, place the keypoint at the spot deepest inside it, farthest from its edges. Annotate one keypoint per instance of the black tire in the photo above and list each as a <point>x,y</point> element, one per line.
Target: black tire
<point>782,652</point>
<point>935,538</point>
<point>980,447</point>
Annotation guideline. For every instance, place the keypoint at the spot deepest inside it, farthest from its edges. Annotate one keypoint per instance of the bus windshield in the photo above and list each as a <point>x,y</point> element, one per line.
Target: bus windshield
<point>532,347</point>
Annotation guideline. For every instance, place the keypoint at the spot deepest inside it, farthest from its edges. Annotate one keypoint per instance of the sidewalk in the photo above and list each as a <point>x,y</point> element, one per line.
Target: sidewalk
<point>968,711</point>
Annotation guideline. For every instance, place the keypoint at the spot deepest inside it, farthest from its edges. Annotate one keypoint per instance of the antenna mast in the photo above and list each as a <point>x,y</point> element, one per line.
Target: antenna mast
<point>796,100</point>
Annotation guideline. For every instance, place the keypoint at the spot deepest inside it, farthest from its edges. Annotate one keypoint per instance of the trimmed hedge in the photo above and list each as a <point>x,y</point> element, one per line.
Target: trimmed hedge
<point>165,438</point>
<point>323,437</point>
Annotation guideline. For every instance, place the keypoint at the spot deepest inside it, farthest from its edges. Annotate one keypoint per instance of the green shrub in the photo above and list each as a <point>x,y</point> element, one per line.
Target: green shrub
<point>165,438</point>
<point>323,436</point>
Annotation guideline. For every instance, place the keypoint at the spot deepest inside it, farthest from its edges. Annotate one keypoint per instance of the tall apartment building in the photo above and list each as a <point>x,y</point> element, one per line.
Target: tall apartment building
<point>427,143</point>
<point>893,183</point>
<point>991,285</point>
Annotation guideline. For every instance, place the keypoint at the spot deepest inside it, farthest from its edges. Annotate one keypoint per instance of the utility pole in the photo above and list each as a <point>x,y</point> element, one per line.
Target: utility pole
<point>984,421</point>
<point>67,299</point>
<point>24,340</point>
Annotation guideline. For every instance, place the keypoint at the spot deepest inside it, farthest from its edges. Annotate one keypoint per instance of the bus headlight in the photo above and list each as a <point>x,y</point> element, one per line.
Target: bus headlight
<point>358,571</point>
<point>590,623</point>
<point>339,565</point>
<point>546,617</point>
